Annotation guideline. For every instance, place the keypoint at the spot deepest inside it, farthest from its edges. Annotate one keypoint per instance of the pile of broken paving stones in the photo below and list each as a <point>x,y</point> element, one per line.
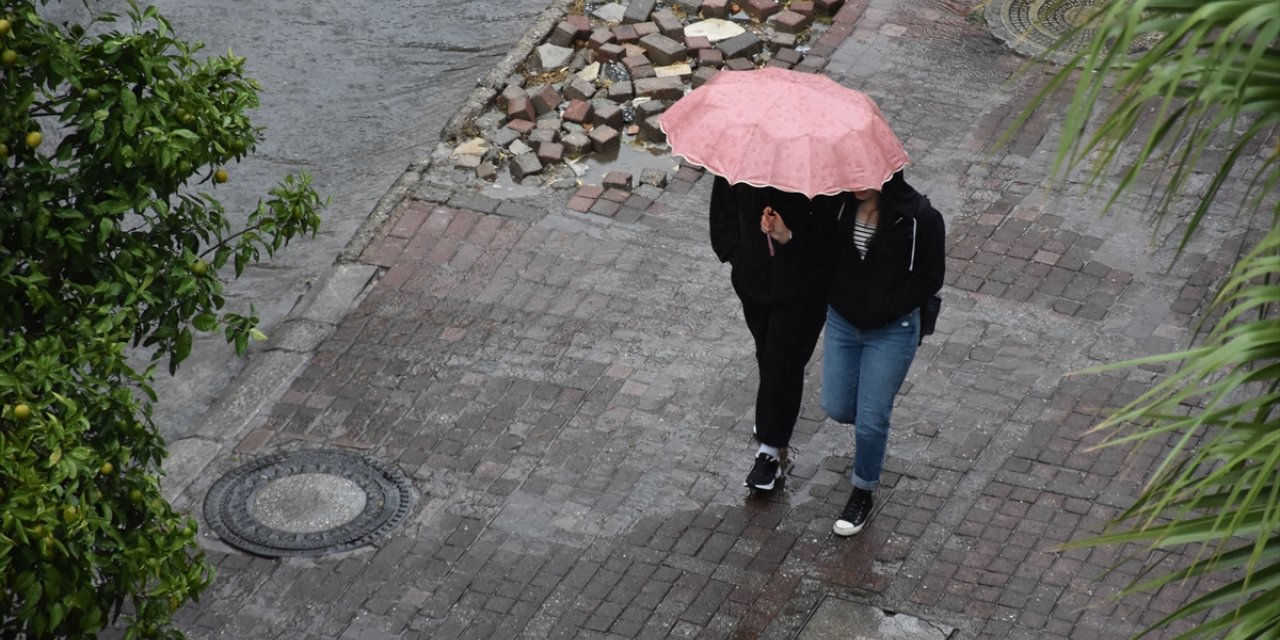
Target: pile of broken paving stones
<point>606,72</point>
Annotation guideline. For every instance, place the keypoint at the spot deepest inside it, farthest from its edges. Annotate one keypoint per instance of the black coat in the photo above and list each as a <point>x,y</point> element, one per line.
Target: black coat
<point>798,270</point>
<point>904,265</point>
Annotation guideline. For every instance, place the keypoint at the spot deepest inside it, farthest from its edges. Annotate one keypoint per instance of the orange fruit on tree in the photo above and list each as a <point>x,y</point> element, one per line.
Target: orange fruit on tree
<point>34,139</point>
<point>22,412</point>
<point>220,176</point>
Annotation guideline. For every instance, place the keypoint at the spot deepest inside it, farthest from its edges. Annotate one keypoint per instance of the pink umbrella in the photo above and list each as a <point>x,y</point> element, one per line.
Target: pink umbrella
<point>793,131</point>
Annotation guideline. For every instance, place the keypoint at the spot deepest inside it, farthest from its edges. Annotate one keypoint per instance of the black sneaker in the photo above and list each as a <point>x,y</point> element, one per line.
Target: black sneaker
<point>855,515</point>
<point>766,470</point>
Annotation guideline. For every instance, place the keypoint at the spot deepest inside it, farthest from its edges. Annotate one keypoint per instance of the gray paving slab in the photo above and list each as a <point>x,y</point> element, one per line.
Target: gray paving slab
<point>570,389</point>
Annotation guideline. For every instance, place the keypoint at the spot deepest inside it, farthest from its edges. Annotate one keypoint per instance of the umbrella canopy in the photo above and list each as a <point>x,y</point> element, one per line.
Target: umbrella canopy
<point>793,131</point>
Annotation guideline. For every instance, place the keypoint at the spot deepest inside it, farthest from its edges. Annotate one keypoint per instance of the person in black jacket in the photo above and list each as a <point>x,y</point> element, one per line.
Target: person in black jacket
<point>779,251</point>
<point>889,260</point>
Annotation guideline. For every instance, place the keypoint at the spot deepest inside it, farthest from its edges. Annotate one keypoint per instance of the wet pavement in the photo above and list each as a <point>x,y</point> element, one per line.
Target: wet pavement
<point>353,93</point>
<point>571,393</point>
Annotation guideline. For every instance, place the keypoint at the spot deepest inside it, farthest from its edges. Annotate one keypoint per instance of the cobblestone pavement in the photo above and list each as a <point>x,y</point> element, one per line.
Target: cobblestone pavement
<point>571,391</point>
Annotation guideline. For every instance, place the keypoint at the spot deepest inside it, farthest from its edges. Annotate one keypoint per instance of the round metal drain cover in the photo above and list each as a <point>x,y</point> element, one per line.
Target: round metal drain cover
<point>1031,27</point>
<point>307,503</point>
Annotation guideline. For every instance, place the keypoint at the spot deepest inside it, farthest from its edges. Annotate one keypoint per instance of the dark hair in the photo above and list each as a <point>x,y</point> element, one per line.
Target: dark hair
<point>897,196</point>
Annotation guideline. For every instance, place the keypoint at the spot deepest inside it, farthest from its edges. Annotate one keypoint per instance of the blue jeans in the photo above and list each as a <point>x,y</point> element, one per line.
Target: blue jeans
<point>861,374</point>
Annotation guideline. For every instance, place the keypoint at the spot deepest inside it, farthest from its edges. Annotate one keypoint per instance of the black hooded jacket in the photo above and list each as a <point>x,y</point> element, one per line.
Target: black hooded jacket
<point>905,261</point>
<point>799,269</point>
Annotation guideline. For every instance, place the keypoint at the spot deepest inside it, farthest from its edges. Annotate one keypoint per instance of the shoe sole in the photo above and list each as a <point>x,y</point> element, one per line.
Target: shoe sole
<point>844,528</point>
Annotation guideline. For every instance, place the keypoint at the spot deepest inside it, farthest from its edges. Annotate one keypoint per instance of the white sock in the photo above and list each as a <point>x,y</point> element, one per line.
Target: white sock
<point>772,451</point>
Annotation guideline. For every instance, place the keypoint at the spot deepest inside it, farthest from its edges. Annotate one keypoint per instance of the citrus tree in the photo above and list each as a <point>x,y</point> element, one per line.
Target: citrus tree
<point>113,136</point>
<point>1208,83</point>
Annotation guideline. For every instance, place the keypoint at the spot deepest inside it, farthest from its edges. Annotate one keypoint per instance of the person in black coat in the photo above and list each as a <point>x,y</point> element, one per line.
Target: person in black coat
<point>889,260</point>
<point>779,247</point>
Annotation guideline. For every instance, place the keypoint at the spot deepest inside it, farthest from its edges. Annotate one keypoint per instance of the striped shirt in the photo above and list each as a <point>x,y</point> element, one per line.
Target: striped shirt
<point>862,233</point>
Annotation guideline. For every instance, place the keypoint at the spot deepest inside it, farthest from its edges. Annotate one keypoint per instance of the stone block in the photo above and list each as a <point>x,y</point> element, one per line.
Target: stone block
<point>552,57</point>
<point>503,137</point>
<point>779,64</point>
<point>650,108</point>
<point>669,25</point>
<point>605,139</point>
<point>650,131</point>
<point>606,112</point>
<point>679,70</point>
<point>828,7</point>
<point>743,45</point>
<point>643,72</point>
<point>639,11</point>
<point>509,93</point>
<point>576,144</point>
<point>518,147</point>
<point>791,22</point>
<point>600,37</point>
<point>519,107</point>
<point>578,111</point>
<point>487,171</point>
<point>550,152</point>
<point>611,12</point>
<point>632,62</point>
<point>525,164</point>
<point>538,136</point>
<point>654,177</point>
<point>669,88</point>
<point>690,7</point>
<point>563,35</point>
<point>625,33</point>
<point>714,9</point>
<point>702,76</point>
<point>610,52</point>
<point>789,56</point>
<point>663,50</point>
<point>579,89</point>
<point>523,127</point>
<point>812,64</point>
<point>466,161</point>
<point>581,26</point>
<point>545,99</point>
<point>761,9</point>
<point>739,64</point>
<point>550,122</point>
<point>802,7</point>
<point>617,180</point>
<point>710,58</point>
<point>697,43</point>
<point>621,91</point>
<point>781,40</point>
<point>646,29</point>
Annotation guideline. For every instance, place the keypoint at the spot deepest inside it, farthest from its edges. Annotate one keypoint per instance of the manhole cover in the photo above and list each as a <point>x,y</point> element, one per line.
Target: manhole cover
<point>1030,27</point>
<point>307,503</point>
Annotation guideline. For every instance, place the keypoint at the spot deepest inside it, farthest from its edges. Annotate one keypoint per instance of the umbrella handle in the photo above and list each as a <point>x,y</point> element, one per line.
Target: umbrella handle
<point>769,239</point>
